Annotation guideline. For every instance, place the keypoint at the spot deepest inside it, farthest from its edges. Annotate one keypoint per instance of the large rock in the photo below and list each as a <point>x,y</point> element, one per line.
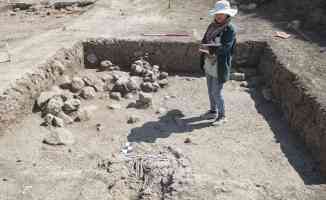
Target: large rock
<point>64,82</point>
<point>88,92</point>
<point>163,75</point>
<point>106,64</point>
<point>54,105</point>
<point>121,85</point>
<point>71,105</point>
<point>45,97</point>
<point>66,118</point>
<point>137,69</point>
<point>59,136</point>
<point>115,96</point>
<point>95,82</point>
<point>163,83</point>
<point>133,85</point>
<point>147,87</point>
<point>58,122</point>
<point>77,84</point>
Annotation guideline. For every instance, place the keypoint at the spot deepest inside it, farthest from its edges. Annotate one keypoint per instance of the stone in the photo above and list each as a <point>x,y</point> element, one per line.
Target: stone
<point>48,119</point>
<point>54,105</point>
<point>133,119</point>
<point>71,105</point>
<point>66,94</point>
<point>105,77</point>
<point>147,87</point>
<point>145,98</point>
<point>163,83</point>
<point>66,118</point>
<point>156,86</point>
<point>129,96</point>
<point>121,85</point>
<point>237,76</point>
<point>114,106</point>
<point>77,84</point>
<point>99,127</point>
<point>105,64</point>
<point>115,96</point>
<point>59,136</point>
<point>267,94</point>
<point>132,85</point>
<point>116,75</point>
<point>45,97</point>
<point>137,69</point>
<point>85,114</point>
<point>163,75</point>
<point>58,122</point>
<point>88,92</point>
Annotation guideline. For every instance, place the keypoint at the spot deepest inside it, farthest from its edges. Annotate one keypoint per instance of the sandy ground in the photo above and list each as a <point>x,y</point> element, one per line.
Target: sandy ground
<point>252,156</point>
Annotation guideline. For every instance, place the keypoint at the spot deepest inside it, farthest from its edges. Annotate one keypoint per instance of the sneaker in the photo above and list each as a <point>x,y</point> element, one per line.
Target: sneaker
<point>209,115</point>
<point>220,120</point>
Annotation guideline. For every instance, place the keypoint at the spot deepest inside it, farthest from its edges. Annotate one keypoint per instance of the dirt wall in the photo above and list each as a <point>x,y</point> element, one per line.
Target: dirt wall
<point>305,113</point>
<point>175,57</point>
<point>18,100</point>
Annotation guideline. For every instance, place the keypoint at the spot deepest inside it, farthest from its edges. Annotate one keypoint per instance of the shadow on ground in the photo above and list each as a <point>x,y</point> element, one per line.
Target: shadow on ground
<point>294,149</point>
<point>173,122</point>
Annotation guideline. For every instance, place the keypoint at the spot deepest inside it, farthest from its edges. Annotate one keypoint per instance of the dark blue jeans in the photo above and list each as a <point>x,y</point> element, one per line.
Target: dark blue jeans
<point>216,98</point>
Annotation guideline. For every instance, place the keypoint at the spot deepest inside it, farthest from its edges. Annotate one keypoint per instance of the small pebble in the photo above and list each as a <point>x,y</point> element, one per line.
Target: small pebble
<point>187,141</point>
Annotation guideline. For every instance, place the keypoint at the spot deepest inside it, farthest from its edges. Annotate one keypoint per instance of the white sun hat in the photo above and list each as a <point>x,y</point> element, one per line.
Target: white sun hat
<point>223,7</point>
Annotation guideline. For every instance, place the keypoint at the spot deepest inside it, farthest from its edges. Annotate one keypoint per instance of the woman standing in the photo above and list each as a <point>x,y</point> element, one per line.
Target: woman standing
<point>216,54</point>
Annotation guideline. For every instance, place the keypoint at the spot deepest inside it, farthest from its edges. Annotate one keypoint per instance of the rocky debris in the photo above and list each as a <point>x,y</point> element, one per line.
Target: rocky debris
<point>116,75</point>
<point>66,94</point>
<point>267,94</point>
<point>129,96</point>
<point>48,119</point>
<point>96,82</point>
<point>147,87</point>
<point>85,113</point>
<point>133,84</point>
<point>88,92</point>
<point>121,85</point>
<point>151,75</point>
<point>77,84</point>
<point>115,96</point>
<point>44,98</point>
<point>54,105</point>
<point>64,82</point>
<point>133,119</point>
<point>114,106</point>
<point>59,136</point>
<point>58,122</point>
<point>163,83</point>
<point>71,105</point>
<point>145,100</point>
<point>66,118</point>
<point>163,75</point>
<point>236,76</point>
<point>106,65</point>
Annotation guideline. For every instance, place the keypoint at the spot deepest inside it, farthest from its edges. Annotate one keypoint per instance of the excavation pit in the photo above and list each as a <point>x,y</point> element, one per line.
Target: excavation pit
<point>256,153</point>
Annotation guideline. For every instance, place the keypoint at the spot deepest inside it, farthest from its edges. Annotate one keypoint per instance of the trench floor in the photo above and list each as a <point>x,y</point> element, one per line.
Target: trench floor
<point>252,156</point>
